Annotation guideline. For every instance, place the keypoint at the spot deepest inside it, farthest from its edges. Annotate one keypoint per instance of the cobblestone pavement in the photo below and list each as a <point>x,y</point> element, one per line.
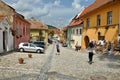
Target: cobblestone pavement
<point>72,65</point>
<point>69,65</point>
<point>10,69</point>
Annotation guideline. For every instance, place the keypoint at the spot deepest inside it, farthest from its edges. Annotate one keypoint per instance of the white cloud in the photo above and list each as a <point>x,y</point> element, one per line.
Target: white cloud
<point>57,2</point>
<point>49,13</point>
<point>76,4</point>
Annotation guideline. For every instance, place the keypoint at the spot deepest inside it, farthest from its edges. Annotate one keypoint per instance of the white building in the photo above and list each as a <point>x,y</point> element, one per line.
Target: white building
<point>6,37</point>
<point>76,35</point>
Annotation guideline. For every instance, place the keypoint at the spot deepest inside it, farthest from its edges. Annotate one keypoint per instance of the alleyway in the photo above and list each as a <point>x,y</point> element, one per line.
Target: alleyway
<point>69,65</point>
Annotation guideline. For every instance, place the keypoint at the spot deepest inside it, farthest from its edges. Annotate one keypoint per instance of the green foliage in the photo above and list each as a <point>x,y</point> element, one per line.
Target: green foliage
<point>52,33</point>
<point>51,27</point>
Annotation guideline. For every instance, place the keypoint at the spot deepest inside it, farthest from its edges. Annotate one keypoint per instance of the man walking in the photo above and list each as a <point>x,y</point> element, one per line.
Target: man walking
<point>90,51</point>
<point>58,48</point>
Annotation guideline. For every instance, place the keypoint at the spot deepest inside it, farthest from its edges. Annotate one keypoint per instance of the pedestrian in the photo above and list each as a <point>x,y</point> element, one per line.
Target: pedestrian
<point>90,51</point>
<point>109,48</point>
<point>57,48</point>
<point>76,46</point>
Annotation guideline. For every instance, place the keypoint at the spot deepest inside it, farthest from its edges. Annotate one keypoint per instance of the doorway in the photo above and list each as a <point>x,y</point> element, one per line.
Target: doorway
<point>86,39</point>
<point>4,40</point>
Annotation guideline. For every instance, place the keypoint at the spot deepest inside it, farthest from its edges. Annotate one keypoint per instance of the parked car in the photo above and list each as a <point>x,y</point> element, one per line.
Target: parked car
<point>30,47</point>
<point>64,44</point>
<point>41,44</point>
<point>50,41</point>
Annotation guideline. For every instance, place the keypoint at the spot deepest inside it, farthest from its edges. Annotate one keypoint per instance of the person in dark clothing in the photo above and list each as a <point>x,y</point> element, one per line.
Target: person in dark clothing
<point>58,49</point>
<point>90,51</point>
<point>76,46</point>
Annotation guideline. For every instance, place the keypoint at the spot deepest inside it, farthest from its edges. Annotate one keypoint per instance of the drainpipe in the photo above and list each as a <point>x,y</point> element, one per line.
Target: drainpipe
<point>119,19</point>
<point>119,25</point>
<point>68,36</point>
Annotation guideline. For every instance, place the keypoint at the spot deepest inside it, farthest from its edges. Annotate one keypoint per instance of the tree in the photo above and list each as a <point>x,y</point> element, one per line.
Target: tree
<point>51,33</point>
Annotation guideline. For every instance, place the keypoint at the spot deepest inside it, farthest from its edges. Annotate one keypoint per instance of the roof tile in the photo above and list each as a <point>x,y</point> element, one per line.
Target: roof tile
<point>37,25</point>
<point>95,5</point>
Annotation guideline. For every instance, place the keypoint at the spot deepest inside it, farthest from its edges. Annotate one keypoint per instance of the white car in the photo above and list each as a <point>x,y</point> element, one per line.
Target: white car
<point>30,47</point>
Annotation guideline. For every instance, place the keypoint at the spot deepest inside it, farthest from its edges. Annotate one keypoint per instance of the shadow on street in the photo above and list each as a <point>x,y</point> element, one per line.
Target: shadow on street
<point>114,61</point>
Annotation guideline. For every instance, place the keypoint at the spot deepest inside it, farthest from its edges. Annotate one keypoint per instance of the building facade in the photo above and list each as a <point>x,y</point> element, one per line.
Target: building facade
<point>17,24</point>
<point>21,30</point>
<point>64,34</point>
<point>6,37</point>
<point>75,29</point>
<point>101,21</point>
<point>38,31</point>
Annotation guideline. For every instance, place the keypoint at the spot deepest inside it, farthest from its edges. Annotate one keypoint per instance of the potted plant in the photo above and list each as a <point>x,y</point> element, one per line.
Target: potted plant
<point>30,55</point>
<point>21,60</point>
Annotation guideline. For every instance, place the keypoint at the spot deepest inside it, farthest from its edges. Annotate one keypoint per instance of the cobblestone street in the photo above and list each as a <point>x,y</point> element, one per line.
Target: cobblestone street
<point>69,65</point>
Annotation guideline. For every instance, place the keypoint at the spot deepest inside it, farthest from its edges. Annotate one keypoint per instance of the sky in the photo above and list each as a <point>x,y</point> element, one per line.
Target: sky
<point>58,13</point>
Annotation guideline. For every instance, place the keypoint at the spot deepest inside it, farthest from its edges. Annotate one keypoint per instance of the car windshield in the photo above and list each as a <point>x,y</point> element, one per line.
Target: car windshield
<point>37,45</point>
<point>31,45</point>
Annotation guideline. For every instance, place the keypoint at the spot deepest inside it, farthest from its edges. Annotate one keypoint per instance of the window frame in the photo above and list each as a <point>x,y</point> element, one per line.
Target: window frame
<point>80,31</point>
<point>77,31</point>
<point>98,20</point>
<point>109,17</point>
<point>88,22</point>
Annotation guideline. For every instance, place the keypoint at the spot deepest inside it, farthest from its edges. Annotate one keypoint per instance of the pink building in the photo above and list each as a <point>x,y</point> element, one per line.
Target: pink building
<point>21,30</point>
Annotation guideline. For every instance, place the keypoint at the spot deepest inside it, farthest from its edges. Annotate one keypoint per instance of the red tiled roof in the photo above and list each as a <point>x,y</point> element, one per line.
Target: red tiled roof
<point>56,31</point>
<point>76,22</point>
<point>2,17</point>
<point>37,25</point>
<point>64,29</point>
<point>95,5</point>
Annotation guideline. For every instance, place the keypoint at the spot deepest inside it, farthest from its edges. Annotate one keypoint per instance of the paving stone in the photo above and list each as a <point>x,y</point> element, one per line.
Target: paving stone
<point>98,77</point>
<point>69,65</point>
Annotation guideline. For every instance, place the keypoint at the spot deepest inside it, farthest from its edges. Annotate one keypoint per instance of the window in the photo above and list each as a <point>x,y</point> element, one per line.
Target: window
<point>80,31</point>
<point>98,20</point>
<point>73,31</point>
<point>25,44</point>
<point>31,45</point>
<point>24,30</point>
<point>17,29</point>
<point>77,31</point>
<point>88,22</point>
<point>109,17</point>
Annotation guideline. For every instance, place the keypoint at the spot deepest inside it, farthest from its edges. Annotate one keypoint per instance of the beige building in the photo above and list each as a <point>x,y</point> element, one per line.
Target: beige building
<point>76,26</point>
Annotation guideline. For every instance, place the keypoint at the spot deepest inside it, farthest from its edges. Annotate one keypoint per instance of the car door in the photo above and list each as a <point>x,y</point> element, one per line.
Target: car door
<point>32,47</point>
<point>25,46</point>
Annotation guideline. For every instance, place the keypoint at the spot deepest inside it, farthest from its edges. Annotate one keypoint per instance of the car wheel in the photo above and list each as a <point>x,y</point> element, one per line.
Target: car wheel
<point>38,51</point>
<point>21,49</point>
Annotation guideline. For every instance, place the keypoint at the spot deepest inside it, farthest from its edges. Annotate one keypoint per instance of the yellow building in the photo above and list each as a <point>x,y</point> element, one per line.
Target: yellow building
<point>38,31</point>
<point>101,21</point>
